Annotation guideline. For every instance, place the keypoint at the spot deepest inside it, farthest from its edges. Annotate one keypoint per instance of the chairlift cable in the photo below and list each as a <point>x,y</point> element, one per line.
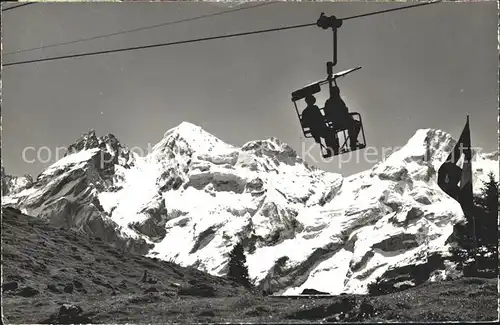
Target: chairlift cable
<point>14,7</point>
<point>392,9</point>
<point>157,45</point>
<point>141,28</point>
<point>203,38</point>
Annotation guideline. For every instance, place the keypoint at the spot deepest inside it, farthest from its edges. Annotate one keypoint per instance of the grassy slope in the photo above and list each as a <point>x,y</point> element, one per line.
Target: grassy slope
<point>36,254</point>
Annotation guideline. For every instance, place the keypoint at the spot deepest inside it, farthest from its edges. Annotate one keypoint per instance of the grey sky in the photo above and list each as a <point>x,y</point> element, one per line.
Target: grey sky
<point>425,67</point>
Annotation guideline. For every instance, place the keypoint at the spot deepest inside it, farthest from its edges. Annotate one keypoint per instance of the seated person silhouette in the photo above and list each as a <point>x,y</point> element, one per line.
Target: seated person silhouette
<point>336,111</point>
<point>315,121</point>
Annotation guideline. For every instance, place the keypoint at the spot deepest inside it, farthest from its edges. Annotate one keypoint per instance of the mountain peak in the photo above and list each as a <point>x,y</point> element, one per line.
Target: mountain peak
<point>14,184</point>
<point>439,144</point>
<point>188,130</point>
<point>490,155</point>
<point>189,138</point>
<point>188,126</point>
<point>86,141</point>
<point>273,147</point>
<point>431,145</point>
<point>89,140</point>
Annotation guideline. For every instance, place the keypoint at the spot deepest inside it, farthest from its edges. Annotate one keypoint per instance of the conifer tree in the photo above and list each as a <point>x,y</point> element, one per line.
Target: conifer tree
<point>487,219</point>
<point>485,214</point>
<point>238,270</point>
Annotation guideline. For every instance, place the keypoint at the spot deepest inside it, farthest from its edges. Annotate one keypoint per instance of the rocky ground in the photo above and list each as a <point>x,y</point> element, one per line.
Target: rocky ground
<point>54,275</point>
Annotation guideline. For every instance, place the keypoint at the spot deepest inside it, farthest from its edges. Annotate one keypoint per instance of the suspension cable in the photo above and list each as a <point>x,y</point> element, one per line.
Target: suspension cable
<point>14,7</point>
<point>140,28</point>
<point>157,45</point>
<point>205,38</point>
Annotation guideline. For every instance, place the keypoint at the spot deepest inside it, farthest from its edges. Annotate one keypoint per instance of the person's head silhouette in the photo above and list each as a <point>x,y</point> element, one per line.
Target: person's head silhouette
<point>335,91</point>
<point>310,100</point>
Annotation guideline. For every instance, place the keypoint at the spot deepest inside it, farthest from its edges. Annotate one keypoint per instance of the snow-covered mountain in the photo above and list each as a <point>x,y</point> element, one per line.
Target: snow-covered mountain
<point>193,197</point>
<point>14,184</point>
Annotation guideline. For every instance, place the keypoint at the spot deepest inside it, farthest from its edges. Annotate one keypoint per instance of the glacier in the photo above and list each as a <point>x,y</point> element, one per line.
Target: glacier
<point>193,197</point>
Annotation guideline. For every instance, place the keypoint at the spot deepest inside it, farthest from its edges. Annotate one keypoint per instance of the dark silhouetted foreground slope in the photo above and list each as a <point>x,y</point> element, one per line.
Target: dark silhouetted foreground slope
<point>45,267</point>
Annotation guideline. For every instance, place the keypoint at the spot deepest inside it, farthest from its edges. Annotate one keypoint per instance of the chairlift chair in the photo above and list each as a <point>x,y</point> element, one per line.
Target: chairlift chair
<point>315,88</point>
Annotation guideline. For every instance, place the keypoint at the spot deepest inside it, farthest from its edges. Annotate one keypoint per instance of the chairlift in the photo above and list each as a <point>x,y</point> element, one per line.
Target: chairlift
<point>337,131</point>
<point>334,129</point>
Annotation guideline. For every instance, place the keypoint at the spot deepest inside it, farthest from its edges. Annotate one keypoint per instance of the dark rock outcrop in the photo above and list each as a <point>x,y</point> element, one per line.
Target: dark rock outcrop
<point>68,314</point>
<point>197,290</point>
<point>9,286</point>
<point>313,292</point>
<point>27,292</point>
